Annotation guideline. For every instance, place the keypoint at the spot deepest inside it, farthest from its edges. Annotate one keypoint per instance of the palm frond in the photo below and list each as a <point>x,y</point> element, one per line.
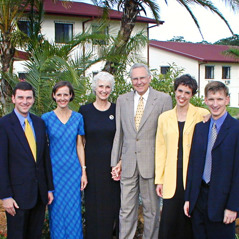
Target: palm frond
<point>232,52</point>
<point>210,6</point>
<point>234,4</point>
<point>206,4</point>
<point>184,3</point>
<point>154,8</point>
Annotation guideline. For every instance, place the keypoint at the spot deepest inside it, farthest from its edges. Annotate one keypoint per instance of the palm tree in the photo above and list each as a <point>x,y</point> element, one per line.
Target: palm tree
<point>48,64</point>
<point>131,10</point>
<point>10,13</point>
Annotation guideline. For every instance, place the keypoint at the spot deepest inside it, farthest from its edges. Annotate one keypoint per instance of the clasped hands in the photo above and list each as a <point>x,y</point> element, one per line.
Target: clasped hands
<point>116,171</point>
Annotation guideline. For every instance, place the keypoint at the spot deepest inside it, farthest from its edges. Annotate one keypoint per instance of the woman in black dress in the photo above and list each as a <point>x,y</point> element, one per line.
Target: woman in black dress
<point>102,196</point>
<point>173,143</point>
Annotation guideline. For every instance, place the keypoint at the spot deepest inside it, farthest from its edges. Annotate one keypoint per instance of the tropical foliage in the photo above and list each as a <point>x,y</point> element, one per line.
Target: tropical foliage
<point>49,63</point>
<point>165,83</point>
<point>10,13</point>
<point>232,41</point>
<point>132,9</point>
<point>233,51</point>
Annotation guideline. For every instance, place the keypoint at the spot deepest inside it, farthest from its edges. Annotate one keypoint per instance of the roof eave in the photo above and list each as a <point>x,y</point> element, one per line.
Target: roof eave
<point>193,57</point>
<point>177,52</point>
<point>139,19</point>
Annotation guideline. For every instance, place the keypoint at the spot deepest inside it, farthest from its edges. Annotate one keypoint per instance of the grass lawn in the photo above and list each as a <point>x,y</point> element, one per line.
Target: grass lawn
<point>233,111</point>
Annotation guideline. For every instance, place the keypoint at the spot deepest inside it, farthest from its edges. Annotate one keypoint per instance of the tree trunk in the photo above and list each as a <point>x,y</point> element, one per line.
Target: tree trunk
<point>6,53</point>
<point>128,20</point>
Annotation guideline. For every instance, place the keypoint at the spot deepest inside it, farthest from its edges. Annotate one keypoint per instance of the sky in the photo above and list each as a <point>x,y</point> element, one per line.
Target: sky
<point>178,22</point>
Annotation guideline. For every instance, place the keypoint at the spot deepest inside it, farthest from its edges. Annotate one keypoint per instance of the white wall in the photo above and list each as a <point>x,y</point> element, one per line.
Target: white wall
<point>233,84</point>
<point>158,58</point>
<point>48,30</point>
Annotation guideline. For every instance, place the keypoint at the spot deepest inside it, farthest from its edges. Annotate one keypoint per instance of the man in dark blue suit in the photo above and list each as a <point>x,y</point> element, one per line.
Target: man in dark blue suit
<point>212,191</point>
<point>25,168</point>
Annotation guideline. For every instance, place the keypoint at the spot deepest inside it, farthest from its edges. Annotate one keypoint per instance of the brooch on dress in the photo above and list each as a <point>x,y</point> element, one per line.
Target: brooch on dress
<point>111,117</point>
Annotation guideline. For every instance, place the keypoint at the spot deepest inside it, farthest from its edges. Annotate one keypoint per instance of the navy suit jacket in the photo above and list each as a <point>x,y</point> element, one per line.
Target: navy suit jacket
<point>224,183</point>
<point>20,176</point>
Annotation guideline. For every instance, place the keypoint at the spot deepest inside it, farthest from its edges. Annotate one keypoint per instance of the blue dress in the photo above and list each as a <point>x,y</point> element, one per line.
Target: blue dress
<point>65,211</point>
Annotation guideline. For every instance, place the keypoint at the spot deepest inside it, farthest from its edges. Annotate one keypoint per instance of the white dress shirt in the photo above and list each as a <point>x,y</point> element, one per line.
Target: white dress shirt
<point>137,97</point>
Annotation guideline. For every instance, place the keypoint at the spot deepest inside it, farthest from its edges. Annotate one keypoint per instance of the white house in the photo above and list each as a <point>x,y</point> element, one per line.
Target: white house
<point>61,23</point>
<point>203,61</point>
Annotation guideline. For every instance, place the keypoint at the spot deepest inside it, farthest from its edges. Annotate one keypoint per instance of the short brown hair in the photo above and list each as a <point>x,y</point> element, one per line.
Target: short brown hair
<point>216,86</point>
<point>186,80</point>
<point>23,85</point>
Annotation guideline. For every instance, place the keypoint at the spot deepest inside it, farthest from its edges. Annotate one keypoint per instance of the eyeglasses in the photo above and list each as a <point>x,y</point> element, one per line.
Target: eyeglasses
<point>142,78</point>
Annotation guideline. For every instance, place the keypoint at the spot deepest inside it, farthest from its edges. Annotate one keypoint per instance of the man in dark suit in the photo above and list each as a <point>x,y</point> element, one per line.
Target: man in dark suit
<point>25,168</point>
<point>212,191</point>
<point>137,115</point>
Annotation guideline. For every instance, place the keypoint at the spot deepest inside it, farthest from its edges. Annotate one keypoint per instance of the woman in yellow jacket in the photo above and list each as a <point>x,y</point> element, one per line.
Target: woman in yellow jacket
<point>173,142</point>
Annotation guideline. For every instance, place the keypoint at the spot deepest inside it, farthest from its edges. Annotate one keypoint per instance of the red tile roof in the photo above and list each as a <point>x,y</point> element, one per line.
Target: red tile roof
<point>197,51</point>
<point>21,55</point>
<point>80,9</point>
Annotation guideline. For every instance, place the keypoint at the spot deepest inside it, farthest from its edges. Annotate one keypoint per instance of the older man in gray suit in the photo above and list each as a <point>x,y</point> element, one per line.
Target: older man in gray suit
<point>132,157</point>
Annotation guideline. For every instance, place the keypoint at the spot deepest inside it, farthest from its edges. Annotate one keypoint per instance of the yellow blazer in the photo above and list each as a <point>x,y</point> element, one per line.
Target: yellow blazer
<point>166,147</point>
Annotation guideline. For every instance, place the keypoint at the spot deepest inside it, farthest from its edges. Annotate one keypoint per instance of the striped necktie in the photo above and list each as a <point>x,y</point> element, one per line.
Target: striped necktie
<point>208,163</point>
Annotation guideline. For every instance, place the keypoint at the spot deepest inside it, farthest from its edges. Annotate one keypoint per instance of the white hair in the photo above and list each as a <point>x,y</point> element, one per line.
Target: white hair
<point>139,65</point>
<point>104,76</point>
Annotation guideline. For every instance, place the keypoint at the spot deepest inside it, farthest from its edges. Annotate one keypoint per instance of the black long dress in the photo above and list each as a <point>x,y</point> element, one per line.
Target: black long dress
<point>102,194</point>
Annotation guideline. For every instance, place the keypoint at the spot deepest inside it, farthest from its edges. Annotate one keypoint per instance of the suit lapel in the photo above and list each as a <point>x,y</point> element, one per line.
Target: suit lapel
<point>19,133</point>
<point>37,128</point>
<point>130,108</point>
<point>203,139</point>
<point>190,118</point>
<point>148,107</point>
<point>223,131</point>
<point>204,135</point>
<point>174,120</point>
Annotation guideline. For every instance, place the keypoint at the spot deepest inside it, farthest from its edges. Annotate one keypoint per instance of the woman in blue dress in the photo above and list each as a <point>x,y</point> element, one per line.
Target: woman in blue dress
<point>65,130</point>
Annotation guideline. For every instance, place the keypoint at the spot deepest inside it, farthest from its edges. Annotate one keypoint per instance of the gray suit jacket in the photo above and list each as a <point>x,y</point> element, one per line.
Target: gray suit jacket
<point>137,147</point>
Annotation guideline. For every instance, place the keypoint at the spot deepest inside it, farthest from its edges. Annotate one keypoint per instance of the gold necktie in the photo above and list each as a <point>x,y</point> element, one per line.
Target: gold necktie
<point>139,112</point>
<point>30,138</point>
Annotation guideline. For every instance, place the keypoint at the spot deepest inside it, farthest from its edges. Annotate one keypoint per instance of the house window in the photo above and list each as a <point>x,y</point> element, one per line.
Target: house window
<point>21,76</point>
<point>226,72</point>
<point>100,30</point>
<point>209,72</point>
<point>164,69</point>
<point>63,32</point>
<point>24,26</point>
<point>95,73</point>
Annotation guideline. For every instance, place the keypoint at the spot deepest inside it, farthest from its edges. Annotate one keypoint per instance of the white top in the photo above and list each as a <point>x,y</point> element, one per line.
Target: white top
<point>137,97</point>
